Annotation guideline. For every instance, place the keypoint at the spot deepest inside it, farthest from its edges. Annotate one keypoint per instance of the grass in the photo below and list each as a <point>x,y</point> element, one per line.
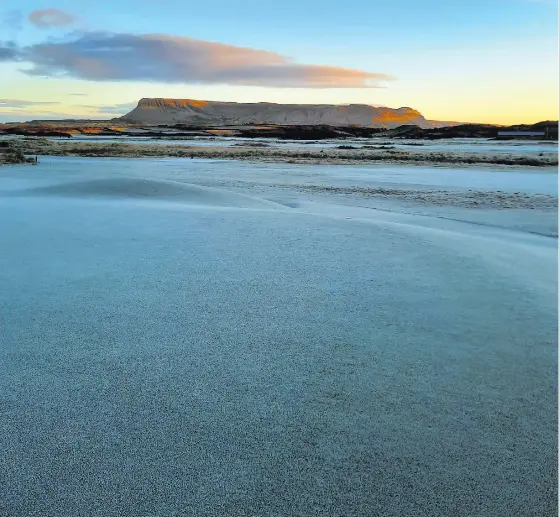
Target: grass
<point>12,156</point>
<point>339,155</point>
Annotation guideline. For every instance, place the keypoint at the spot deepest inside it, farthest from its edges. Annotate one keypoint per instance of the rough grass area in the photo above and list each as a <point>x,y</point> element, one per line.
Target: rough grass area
<point>342,155</point>
<point>11,154</point>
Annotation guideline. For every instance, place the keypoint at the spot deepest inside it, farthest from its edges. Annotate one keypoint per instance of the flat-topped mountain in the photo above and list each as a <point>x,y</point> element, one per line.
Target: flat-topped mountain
<point>198,112</point>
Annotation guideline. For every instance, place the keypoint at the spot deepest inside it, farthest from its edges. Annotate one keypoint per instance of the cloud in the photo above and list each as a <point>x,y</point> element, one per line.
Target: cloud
<point>102,56</point>
<point>18,103</point>
<point>118,109</point>
<point>25,115</point>
<point>47,18</point>
<point>8,52</point>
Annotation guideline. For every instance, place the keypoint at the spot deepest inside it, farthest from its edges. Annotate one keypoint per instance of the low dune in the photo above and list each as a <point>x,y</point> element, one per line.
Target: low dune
<point>148,189</point>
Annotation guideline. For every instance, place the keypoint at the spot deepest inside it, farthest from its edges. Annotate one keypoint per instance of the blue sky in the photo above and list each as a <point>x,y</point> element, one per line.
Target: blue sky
<point>481,61</point>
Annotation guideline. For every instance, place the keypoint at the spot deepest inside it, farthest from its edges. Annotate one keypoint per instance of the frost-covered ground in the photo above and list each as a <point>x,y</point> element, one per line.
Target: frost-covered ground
<point>198,337</point>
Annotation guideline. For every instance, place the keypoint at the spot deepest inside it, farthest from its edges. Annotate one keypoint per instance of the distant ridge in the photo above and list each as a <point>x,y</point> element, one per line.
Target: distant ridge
<point>200,113</point>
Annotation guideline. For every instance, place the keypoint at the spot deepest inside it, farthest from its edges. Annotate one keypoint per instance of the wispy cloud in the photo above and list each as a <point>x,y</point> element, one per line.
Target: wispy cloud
<point>17,115</point>
<point>102,56</point>
<point>115,109</point>
<point>19,103</point>
<point>47,18</point>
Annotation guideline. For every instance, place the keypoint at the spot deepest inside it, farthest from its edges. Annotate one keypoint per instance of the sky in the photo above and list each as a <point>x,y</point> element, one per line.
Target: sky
<point>490,61</point>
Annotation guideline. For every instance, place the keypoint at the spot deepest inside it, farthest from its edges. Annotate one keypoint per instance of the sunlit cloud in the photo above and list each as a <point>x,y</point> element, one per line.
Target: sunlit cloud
<point>101,56</point>
<point>47,18</point>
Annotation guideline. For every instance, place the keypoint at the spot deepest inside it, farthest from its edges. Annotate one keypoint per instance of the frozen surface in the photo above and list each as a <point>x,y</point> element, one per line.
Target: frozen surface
<point>183,337</point>
<point>530,179</point>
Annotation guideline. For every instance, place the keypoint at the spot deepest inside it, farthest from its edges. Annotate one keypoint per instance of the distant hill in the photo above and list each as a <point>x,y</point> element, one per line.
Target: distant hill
<point>413,131</point>
<point>214,113</point>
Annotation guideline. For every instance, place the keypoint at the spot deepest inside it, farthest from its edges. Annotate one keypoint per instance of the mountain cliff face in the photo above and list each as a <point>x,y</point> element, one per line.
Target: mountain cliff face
<point>198,112</point>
